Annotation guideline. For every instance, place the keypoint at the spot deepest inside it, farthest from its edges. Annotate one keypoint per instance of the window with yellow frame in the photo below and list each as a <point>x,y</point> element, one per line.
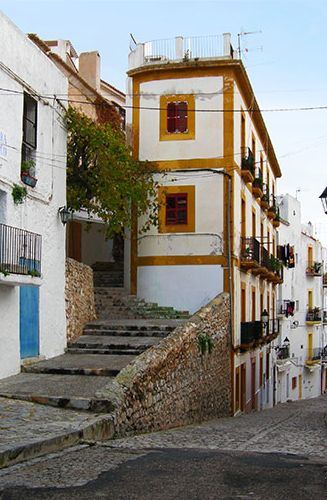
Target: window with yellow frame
<point>176,209</point>
<point>177,117</point>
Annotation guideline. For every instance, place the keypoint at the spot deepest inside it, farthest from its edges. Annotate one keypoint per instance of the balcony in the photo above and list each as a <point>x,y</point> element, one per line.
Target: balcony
<point>314,356</point>
<point>265,197</point>
<point>283,353</point>
<point>276,221</point>
<point>250,253</point>
<point>272,208</point>
<point>324,279</point>
<point>247,169</point>
<point>313,316</point>
<point>20,254</point>
<point>285,308</point>
<point>257,185</point>
<point>256,333</point>
<point>324,317</point>
<point>251,333</point>
<point>314,269</point>
<point>181,49</point>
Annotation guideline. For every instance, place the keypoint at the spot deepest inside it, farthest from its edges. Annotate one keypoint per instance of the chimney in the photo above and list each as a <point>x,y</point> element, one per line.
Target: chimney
<point>89,68</point>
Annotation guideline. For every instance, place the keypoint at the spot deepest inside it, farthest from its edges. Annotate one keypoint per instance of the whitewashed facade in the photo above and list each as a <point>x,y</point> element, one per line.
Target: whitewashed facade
<point>31,124</point>
<point>301,371</point>
<point>221,165</point>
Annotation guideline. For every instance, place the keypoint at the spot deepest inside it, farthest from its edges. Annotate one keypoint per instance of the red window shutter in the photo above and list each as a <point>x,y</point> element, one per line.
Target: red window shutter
<point>182,116</point>
<point>171,117</point>
<point>176,209</point>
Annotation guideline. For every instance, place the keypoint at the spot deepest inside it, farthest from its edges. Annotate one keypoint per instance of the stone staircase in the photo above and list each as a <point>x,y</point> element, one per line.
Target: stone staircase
<point>126,327</point>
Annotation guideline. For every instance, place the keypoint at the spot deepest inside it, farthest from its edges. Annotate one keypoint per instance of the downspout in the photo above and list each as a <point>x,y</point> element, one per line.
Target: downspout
<point>229,258</point>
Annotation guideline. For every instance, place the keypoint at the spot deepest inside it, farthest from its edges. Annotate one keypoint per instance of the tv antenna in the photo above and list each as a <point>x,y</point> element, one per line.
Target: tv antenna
<point>132,40</point>
<point>239,38</point>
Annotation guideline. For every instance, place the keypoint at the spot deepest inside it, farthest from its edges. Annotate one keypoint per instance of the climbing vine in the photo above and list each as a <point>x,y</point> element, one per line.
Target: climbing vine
<point>104,178</point>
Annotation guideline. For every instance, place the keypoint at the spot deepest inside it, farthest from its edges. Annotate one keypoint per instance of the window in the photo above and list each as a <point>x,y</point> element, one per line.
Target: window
<point>177,121</point>
<point>176,209</point>
<point>29,127</point>
<point>294,383</point>
<point>177,117</point>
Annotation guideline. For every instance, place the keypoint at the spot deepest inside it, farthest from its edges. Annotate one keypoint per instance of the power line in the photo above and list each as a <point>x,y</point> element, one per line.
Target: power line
<point>155,108</point>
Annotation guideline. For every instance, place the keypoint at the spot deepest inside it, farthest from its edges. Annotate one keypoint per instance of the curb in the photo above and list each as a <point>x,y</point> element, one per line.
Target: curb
<point>99,430</point>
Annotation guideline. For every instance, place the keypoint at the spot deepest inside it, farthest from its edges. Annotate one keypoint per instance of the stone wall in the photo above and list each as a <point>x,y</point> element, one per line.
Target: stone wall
<point>80,308</point>
<point>174,383</point>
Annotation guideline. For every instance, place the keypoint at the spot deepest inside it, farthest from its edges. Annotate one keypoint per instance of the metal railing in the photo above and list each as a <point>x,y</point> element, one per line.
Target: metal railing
<point>283,352</point>
<point>251,331</point>
<point>187,48</point>
<point>313,314</point>
<point>258,178</point>
<point>273,326</point>
<point>248,160</point>
<point>314,268</point>
<point>250,249</point>
<point>20,251</point>
<point>314,354</point>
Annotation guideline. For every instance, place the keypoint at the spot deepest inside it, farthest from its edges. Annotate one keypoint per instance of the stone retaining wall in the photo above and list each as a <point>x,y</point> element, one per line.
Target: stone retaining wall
<point>80,308</point>
<point>174,384</point>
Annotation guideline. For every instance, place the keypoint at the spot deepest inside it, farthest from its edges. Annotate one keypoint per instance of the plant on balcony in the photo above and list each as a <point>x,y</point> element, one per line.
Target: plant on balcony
<point>317,267</point>
<point>19,194</point>
<point>205,343</point>
<point>258,183</point>
<point>27,172</point>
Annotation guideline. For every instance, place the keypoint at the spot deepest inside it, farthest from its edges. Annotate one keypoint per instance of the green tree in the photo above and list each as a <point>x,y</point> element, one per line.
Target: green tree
<point>104,178</point>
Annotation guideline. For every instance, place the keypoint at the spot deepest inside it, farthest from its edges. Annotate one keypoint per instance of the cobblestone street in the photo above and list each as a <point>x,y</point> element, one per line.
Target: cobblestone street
<point>277,453</point>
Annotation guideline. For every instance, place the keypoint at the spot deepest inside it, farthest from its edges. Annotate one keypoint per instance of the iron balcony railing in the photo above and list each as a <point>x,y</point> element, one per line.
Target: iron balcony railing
<point>248,161</point>
<point>258,178</point>
<point>315,354</point>
<point>313,314</point>
<point>265,258</point>
<point>325,279</point>
<point>20,251</point>
<point>251,331</point>
<point>283,352</point>
<point>250,249</point>
<point>273,326</point>
<point>314,268</point>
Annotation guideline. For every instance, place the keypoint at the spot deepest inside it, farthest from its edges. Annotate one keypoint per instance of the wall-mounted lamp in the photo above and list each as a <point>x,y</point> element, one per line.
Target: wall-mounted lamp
<point>323,198</point>
<point>264,317</point>
<point>65,214</point>
<point>286,342</point>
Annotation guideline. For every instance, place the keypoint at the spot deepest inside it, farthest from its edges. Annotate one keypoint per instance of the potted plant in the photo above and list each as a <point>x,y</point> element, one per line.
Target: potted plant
<point>27,173</point>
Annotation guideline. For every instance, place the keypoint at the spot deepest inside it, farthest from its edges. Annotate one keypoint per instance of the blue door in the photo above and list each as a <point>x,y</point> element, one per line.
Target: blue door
<point>29,321</point>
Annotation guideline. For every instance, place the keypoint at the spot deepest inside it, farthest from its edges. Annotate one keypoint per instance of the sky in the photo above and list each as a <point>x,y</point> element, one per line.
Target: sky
<point>285,59</point>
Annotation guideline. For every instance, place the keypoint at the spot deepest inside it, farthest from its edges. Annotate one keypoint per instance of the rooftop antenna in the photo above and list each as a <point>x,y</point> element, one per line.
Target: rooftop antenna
<point>298,190</point>
<point>239,38</point>
<point>132,40</point>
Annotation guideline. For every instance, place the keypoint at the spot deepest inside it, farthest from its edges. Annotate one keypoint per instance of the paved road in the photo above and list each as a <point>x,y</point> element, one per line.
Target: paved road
<point>279,453</point>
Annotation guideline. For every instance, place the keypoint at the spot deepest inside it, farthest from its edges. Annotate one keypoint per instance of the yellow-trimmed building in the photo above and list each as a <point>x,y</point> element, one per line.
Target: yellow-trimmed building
<point>191,109</point>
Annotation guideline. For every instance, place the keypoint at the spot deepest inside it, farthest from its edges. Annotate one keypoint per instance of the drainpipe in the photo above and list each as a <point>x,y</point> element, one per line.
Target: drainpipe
<point>228,249</point>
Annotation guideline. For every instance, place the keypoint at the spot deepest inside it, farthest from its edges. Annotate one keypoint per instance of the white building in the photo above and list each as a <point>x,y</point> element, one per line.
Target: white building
<point>33,171</point>
<point>301,372</point>
<point>193,112</point>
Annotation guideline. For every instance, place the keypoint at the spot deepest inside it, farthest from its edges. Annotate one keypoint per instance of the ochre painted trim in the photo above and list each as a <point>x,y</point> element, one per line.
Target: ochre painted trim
<point>181,260</point>
<point>178,228</point>
<point>133,257</point>
<point>218,68</point>
<point>185,136</point>
<point>191,163</point>
<point>136,119</point>
<point>229,116</point>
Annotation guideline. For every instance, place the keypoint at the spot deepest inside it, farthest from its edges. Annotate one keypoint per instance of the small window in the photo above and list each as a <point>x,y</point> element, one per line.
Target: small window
<point>176,209</point>
<point>177,117</point>
<point>29,126</point>
<point>294,383</point>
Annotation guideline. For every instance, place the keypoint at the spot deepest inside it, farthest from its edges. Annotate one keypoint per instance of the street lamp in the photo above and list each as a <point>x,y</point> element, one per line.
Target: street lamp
<point>65,214</point>
<point>323,198</point>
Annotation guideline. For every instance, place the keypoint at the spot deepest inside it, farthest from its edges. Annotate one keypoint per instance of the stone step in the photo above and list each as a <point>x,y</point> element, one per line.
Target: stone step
<point>128,333</point>
<point>84,364</point>
<point>106,352</point>
<point>107,266</point>
<point>64,391</point>
<point>134,325</point>
<point>113,342</point>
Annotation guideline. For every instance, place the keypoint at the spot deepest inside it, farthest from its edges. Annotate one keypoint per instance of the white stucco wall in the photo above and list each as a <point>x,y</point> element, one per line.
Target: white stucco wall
<point>182,287</point>
<point>25,68</point>
<point>208,142</point>
<point>295,287</point>
<point>95,246</point>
